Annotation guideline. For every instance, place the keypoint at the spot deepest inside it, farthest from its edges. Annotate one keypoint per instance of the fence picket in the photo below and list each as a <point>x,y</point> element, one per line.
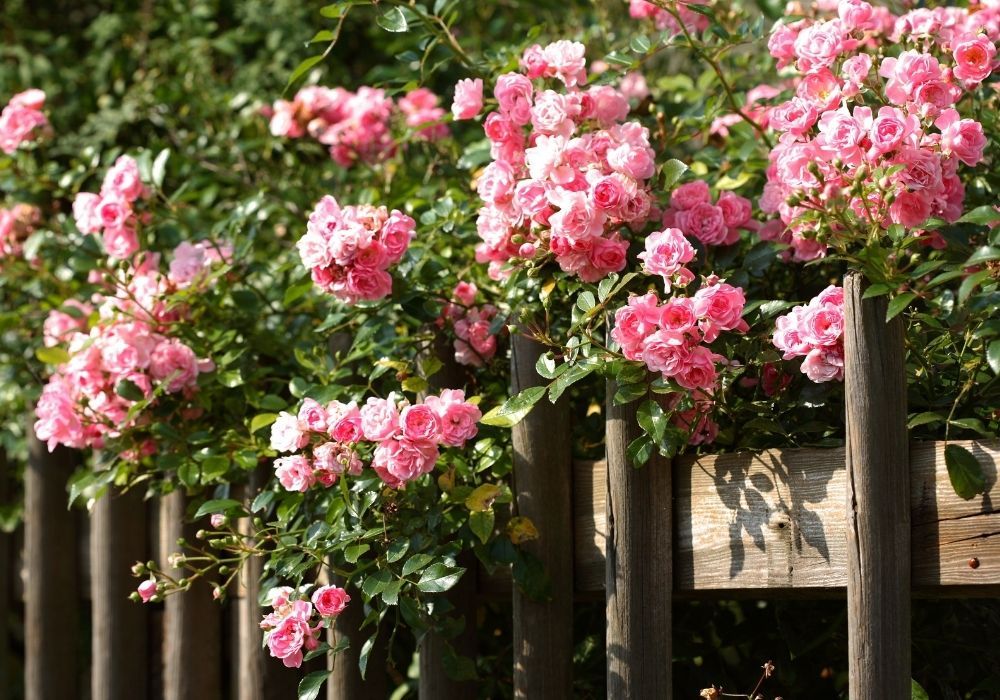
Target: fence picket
<point>51,604</point>
<point>120,665</point>
<point>189,670</point>
<point>543,480</point>
<point>639,565</point>
<point>346,682</point>
<point>878,499</point>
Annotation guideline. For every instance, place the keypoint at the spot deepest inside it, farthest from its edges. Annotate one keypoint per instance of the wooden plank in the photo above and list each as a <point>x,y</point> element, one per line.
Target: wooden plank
<point>878,494</point>
<point>543,478</point>
<point>260,677</point>
<point>345,681</point>
<point>120,628</point>
<point>639,571</point>
<point>434,681</point>
<point>51,605</point>
<point>189,670</point>
<point>772,524</point>
<point>8,571</point>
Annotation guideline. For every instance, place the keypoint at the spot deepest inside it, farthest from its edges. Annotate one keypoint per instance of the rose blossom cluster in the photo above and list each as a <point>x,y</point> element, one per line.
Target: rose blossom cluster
<point>402,439</point>
<point>475,345</point>
<point>816,332</point>
<point>349,249</point>
<point>693,21</point>
<point>120,349</point>
<point>877,136</point>
<point>16,224</point>
<point>356,126</point>
<point>692,211</point>
<point>112,212</point>
<point>295,624</point>
<point>22,119</point>
<point>568,171</point>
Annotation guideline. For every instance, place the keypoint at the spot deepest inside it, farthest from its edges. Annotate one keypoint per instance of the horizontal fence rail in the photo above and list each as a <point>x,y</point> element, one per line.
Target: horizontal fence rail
<point>774,523</point>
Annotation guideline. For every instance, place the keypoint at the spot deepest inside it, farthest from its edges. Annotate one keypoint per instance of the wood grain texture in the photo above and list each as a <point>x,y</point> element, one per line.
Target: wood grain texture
<point>878,490</point>
<point>260,677</point>
<point>639,570</point>
<point>543,478</point>
<point>346,682</point>
<point>434,681</point>
<point>120,665</point>
<point>773,524</point>
<point>190,671</point>
<point>52,571</point>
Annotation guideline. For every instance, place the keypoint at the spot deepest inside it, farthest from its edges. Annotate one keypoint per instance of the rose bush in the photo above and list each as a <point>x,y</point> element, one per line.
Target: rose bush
<point>667,198</point>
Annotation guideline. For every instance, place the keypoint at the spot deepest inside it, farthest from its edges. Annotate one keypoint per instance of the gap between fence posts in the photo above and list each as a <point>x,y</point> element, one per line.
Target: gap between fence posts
<point>434,681</point>
<point>192,653</point>
<point>543,483</point>
<point>52,615</point>
<point>639,566</point>
<point>878,498</point>
<point>120,654</point>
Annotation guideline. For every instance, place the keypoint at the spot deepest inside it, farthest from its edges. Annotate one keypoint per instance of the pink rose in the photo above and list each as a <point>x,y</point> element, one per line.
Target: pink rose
<point>379,419</point>
<point>468,98</point>
<point>399,460</point>
<point>553,113</point>
<point>120,243</point>
<point>975,58</point>
<point>294,473</point>
<point>824,365</point>
<point>889,129</point>
<point>458,417</point>
<point>514,93</point>
<point>665,352</point>
<point>910,209</point>
<point>818,45</point>
<point>286,433</point>
<point>420,423</point>
<point>736,210</point>
<point>312,416</point>
<point>962,138</point>
<point>565,61</point>
<point>330,601</point>
<point>691,194</point>
<point>698,371</point>
<point>286,640</point>
<point>175,361</point>
<point>533,62</point>
<point>678,316</point>
<point>85,212</point>
<point>123,179</point>
<point>666,254</point>
<point>705,222</point>
<point>608,255</point>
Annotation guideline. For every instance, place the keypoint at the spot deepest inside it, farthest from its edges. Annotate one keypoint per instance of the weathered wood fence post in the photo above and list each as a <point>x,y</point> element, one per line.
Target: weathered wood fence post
<point>120,628</point>
<point>192,653</point>
<point>259,676</point>
<point>878,494</point>
<point>639,568</point>
<point>543,483</point>
<point>346,682</point>
<point>434,681</point>
<point>51,588</point>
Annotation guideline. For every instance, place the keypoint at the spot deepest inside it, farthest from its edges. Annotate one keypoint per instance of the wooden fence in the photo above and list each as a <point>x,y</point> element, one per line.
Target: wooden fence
<point>876,521</point>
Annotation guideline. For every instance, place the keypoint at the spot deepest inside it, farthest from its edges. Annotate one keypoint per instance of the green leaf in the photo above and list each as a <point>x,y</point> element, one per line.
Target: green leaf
<point>514,409</point>
<point>876,290</point>
<point>295,292</point>
<point>214,467</point>
<point>354,552</point>
<point>128,389</point>
<point>481,524</point>
<point>898,303</point>
<point>917,692</point>
<point>309,686</point>
<point>993,356</point>
<point>439,578</point>
<point>160,167</point>
<point>396,550</point>
<point>53,356</point>
<point>986,214</point>
<point>924,419</point>
<point>639,450</point>
<point>188,472</point>
<point>652,419</point>
<point>321,36</point>
<point>481,499</point>
<point>964,470</point>
<point>970,283</point>
<point>416,563</point>
<point>973,424</point>
<point>262,420</point>
<point>639,44</point>
<point>374,584</point>
<point>219,505</point>
<point>571,376</point>
<point>392,20</point>
<point>982,254</point>
<point>672,171</point>
<point>302,69</point>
